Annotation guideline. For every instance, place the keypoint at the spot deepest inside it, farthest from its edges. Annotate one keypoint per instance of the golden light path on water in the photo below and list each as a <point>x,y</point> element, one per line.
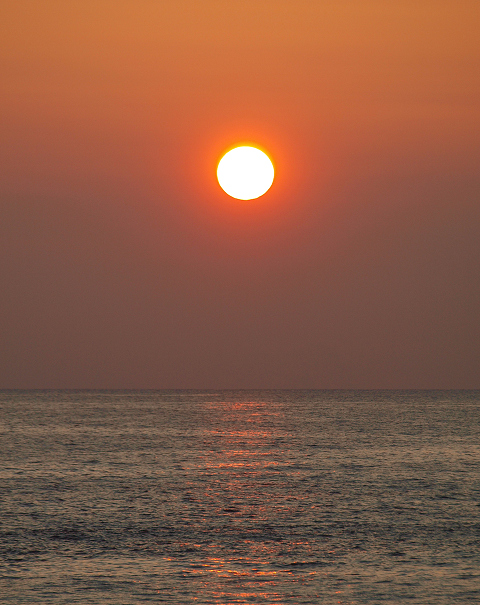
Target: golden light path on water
<point>233,467</point>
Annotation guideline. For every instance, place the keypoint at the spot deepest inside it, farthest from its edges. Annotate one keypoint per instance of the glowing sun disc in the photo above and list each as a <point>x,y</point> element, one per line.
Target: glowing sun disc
<point>245,173</point>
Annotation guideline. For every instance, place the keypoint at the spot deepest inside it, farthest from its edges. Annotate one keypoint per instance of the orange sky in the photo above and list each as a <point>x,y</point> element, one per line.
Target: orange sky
<point>125,265</point>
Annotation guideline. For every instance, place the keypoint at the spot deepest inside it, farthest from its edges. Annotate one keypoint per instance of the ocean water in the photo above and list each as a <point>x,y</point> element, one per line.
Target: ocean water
<point>236,497</point>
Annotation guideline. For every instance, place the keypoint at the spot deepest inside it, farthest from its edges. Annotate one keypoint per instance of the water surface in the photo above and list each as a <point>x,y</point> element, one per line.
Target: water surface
<point>236,497</point>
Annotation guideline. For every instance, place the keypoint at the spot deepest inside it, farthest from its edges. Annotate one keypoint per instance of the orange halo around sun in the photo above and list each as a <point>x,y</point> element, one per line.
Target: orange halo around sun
<point>245,173</point>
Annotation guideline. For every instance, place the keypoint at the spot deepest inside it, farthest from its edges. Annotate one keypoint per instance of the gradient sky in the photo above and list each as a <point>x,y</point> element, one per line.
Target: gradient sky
<point>124,265</point>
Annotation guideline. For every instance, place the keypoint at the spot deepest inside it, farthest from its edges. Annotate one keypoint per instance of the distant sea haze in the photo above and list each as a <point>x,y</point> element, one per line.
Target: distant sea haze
<point>240,497</point>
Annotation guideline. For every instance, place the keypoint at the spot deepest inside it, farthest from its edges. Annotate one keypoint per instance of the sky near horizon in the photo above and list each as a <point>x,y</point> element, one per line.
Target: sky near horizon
<point>124,265</point>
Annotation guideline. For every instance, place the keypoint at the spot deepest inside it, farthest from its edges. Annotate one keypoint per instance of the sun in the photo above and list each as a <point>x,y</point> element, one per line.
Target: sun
<point>245,173</point>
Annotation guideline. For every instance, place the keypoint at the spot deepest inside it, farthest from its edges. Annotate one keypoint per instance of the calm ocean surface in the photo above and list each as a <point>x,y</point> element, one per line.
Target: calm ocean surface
<point>227,497</point>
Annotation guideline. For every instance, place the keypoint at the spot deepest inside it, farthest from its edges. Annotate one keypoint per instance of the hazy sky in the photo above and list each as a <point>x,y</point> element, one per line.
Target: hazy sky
<point>124,265</point>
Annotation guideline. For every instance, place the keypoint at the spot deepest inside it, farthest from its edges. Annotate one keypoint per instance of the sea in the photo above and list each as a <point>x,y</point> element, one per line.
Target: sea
<point>239,497</point>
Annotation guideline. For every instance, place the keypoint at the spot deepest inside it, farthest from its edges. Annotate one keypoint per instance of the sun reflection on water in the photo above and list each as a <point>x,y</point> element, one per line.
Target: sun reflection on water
<point>241,477</point>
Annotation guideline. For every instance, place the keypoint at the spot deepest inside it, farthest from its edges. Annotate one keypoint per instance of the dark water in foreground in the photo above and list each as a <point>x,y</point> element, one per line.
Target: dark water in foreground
<point>274,497</point>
